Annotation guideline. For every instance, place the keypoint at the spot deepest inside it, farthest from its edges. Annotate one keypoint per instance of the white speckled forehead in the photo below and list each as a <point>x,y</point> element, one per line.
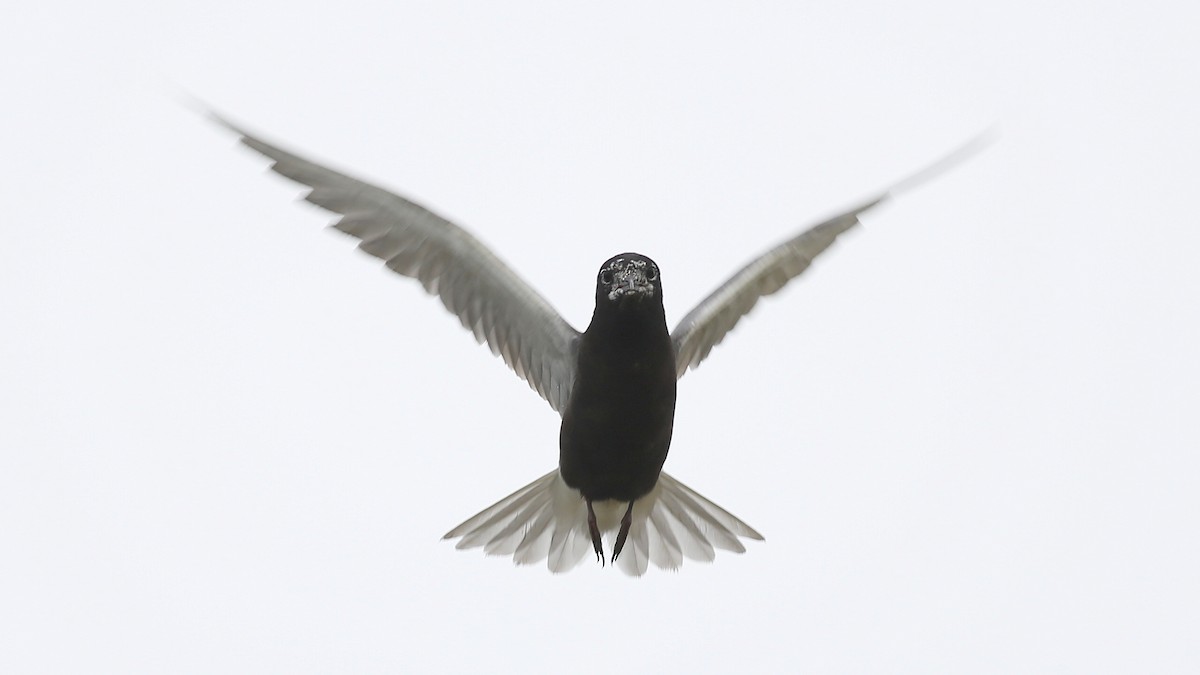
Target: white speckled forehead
<point>628,275</point>
<point>622,260</point>
<point>626,263</point>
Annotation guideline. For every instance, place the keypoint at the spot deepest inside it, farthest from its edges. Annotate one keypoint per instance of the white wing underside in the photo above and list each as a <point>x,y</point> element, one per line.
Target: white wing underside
<point>546,520</point>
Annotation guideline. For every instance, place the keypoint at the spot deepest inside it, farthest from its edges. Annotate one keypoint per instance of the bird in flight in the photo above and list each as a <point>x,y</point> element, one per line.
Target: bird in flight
<point>613,384</point>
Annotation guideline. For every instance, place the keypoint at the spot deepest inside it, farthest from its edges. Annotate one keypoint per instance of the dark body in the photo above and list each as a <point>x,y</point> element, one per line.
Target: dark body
<point>616,427</point>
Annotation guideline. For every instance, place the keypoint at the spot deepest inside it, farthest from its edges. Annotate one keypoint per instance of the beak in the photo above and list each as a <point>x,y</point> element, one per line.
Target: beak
<point>629,281</point>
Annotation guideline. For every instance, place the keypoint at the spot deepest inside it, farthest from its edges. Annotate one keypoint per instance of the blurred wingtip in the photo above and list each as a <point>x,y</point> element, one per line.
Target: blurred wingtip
<point>220,120</point>
<point>950,160</point>
<point>203,109</point>
<point>190,101</point>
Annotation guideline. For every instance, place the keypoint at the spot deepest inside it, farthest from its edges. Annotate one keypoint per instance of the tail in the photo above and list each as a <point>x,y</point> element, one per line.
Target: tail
<point>548,520</point>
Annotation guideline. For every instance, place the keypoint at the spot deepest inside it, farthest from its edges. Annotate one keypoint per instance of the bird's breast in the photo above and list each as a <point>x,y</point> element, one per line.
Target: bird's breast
<point>617,426</point>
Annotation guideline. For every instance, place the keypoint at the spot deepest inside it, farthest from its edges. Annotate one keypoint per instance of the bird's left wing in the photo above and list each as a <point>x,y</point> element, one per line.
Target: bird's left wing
<point>705,326</point>
<point>489,299</point>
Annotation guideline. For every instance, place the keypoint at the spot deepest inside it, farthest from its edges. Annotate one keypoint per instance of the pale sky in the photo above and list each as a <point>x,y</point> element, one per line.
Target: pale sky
<point>230,443</point>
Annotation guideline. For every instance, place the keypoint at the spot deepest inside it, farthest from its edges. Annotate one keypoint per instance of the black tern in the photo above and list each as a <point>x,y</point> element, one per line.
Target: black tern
<point>613,384</point>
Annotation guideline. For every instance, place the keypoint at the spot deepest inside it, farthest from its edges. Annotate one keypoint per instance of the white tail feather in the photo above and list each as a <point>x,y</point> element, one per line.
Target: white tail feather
<point>546,520</point>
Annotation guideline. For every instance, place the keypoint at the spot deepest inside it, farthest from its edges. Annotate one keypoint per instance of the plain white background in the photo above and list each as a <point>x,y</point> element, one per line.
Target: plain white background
<point>229,443</point>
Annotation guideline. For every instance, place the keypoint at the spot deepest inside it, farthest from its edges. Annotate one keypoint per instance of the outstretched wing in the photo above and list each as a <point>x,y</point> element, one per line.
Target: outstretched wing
<point>489,298</point>
<point>705,326</point>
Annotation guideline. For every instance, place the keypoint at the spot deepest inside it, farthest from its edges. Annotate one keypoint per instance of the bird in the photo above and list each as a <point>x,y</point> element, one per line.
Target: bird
<point>613,384</point>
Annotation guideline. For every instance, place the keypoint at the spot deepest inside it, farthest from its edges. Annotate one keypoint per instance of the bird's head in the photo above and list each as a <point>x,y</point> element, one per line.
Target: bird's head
<point>626,278</point>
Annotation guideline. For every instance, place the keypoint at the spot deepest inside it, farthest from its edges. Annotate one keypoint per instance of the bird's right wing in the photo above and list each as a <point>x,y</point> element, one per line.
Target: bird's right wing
<point>705,326</point>
<point>490,300</point>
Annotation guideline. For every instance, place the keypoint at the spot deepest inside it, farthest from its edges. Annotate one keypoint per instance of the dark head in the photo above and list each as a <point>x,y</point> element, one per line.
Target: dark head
<point>628,278</point>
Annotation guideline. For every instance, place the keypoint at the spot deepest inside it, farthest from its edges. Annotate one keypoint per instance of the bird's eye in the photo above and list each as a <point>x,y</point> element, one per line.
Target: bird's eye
<point>651,273</point>
<point>605,277</point>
